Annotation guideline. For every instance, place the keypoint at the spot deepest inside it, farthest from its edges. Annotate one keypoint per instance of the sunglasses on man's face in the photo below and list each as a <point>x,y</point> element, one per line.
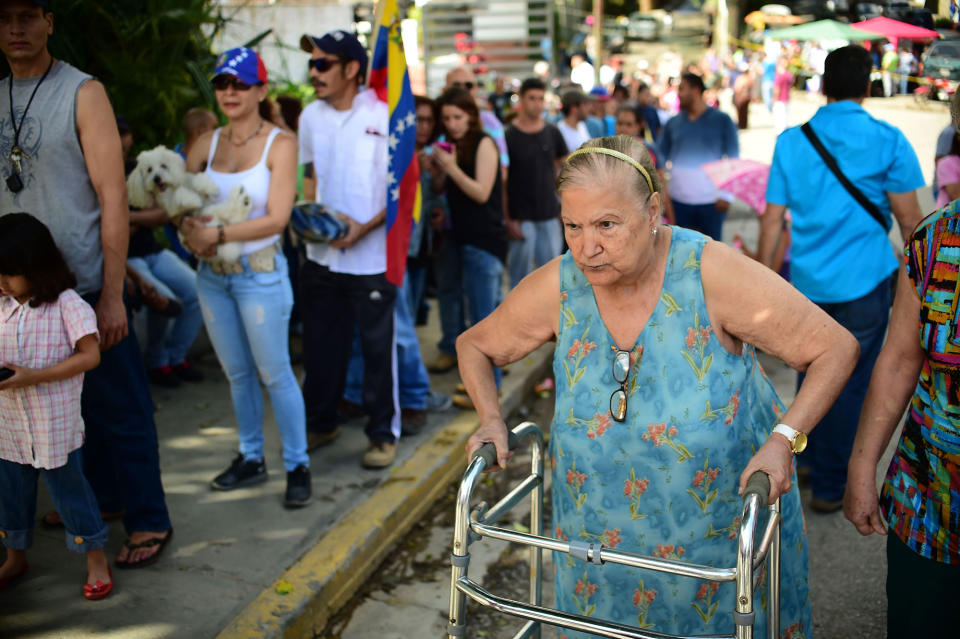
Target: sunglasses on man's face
<point>224,82</point>
<point>464,85</point>
<point>322,64</point>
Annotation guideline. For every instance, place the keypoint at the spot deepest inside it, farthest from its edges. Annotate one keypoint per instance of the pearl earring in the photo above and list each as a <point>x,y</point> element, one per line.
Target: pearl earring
<point>654,231</point>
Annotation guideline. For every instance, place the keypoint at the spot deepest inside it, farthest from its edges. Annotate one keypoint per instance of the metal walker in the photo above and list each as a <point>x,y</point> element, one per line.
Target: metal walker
<point>472,525</point>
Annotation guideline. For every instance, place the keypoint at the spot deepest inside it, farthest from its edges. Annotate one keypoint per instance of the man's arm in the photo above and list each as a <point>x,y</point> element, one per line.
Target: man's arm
<point>100,141</point>
<point>771,223</point>
<point>906,209</point>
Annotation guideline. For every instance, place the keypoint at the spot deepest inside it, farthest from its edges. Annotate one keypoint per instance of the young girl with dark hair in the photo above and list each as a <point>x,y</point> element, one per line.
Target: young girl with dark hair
<point>48,340</point>
<point>475,195</point>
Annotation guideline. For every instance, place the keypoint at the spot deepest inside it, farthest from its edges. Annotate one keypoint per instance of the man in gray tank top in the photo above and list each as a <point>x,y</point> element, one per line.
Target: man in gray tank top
<point>60,160</point>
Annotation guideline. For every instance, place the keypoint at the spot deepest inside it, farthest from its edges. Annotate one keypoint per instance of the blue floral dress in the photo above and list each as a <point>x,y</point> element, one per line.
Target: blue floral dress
<point>664,482</point>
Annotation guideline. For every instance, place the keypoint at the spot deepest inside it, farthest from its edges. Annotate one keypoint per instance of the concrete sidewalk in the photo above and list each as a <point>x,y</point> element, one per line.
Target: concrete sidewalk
<point>231,551</point>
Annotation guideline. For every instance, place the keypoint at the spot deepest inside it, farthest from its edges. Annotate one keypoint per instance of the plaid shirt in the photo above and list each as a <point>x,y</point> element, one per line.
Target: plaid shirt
<point>40,425</point>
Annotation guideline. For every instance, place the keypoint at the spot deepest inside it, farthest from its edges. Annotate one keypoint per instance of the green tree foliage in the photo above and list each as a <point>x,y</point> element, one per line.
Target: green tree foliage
<point>153,57</point>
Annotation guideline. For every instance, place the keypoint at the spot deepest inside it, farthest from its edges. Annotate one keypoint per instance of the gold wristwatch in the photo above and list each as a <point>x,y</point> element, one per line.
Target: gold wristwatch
<point>797,439</point>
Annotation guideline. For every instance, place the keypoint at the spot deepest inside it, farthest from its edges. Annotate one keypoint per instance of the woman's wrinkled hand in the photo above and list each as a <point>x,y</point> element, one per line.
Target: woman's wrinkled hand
<point>493,431</point>
<point>861,505</point>
<point>775,458</point>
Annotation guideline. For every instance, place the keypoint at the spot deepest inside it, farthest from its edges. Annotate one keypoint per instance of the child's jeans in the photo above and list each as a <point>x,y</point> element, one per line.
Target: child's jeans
<point>72,497</point>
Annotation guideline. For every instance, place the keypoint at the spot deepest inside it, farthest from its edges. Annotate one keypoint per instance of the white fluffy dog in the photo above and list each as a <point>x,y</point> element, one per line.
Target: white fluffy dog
<point>161,176</point>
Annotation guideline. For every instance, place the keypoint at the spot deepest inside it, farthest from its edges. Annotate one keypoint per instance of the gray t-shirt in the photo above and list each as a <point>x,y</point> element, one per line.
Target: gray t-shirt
<point>56,186</point>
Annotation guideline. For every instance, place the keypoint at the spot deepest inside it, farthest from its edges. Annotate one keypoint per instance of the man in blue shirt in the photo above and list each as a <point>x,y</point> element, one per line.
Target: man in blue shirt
<point>697,135</point>
<point>842,258</point>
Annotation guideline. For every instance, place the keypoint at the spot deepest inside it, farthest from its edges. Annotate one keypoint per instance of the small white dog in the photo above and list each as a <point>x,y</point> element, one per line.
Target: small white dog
<point>161,176</point>
<point>236,208</point>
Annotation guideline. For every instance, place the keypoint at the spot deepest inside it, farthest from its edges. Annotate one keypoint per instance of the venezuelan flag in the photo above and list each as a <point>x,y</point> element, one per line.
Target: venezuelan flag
<point>389,77</point>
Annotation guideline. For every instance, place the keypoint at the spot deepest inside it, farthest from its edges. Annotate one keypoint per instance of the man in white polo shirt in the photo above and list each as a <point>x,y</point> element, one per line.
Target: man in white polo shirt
<point>343,147</point>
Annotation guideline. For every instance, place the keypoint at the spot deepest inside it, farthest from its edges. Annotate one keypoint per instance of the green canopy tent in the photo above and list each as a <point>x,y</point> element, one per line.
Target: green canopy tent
<point>823,30</point>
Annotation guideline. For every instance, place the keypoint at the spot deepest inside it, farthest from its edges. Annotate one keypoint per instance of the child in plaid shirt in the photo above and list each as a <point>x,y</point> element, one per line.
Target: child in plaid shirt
<point>48,339</point>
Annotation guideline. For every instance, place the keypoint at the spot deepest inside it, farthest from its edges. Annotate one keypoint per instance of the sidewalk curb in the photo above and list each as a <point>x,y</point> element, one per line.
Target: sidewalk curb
<point>328,574</point>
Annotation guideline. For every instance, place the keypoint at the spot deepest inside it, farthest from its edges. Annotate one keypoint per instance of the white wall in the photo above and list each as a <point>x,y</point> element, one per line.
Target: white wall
<point>281,49</point>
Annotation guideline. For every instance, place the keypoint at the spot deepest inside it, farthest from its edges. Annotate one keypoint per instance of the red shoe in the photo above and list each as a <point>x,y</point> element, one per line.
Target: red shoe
<point>6,581</point>
<point>98,590</point>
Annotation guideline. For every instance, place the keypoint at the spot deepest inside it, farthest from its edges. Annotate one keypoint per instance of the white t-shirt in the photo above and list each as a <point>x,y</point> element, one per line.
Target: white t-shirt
<point>348,150</point>
<point>574,137</point>
<point>584,75</point>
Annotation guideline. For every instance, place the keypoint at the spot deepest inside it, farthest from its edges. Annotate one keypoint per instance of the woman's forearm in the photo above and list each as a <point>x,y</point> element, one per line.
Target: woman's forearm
<point>476,370</point>
<point>824,379</point>
<point>470,187</point>
<point>891,386</point>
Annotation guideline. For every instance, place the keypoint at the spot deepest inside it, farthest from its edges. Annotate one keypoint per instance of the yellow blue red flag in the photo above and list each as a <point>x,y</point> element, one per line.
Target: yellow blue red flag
<point>390,79</point>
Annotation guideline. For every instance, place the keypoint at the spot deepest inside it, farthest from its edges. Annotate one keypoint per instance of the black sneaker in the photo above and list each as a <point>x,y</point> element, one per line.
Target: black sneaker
<point>240,473</point>
<point>298,488</point>
<point>163,377</point>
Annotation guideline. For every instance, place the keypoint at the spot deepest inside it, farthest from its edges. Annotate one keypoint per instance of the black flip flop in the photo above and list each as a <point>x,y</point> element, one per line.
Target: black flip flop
<point>149,543</point>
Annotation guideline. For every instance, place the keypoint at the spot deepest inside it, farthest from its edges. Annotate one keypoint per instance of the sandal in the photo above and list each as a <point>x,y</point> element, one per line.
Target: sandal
<point>99,590</point>
<point>161,542</point>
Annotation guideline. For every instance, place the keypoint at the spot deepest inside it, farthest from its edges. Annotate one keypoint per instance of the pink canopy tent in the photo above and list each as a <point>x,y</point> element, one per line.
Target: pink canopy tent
<point>894,30</point>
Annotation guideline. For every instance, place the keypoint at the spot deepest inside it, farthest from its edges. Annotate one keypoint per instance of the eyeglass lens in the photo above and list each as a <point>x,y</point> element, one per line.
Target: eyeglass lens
<point>621,366</point>
<point>618,405</point>
<point>322,64</point>
<point>224,82</point>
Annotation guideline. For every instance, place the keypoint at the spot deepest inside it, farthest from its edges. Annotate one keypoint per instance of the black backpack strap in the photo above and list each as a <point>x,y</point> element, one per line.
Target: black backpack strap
<point>831,163</point>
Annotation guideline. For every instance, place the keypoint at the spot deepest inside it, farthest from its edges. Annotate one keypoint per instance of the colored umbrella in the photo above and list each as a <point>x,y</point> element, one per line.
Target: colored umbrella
<point>823,30</point>
<point>746,179</point>
<point>894,30</point>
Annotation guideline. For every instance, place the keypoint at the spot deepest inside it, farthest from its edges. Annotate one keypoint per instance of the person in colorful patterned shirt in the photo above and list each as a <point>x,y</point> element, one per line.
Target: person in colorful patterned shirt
<point>662,409</point>
<point>920,497</point>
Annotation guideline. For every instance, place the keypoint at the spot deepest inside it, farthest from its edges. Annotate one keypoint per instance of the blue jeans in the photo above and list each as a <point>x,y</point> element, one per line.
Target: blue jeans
<point>72,497</point>
<point>542,242</point>
<point>831,442</point>
<point>247,316</point>
<point>483,285</point>
<point>172,277</point>
<point>120,455</point>
<point>450,294</point>
<point>415,285</point>
<point>412,377</point>
<point>704,218</point>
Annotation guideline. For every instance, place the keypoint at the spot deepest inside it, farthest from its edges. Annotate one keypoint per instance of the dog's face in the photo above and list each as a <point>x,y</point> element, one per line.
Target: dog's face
<point>161,169</point>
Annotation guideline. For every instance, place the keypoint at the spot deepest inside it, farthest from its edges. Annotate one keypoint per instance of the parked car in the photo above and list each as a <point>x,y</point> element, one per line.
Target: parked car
<point>941,60</point>
<point>643,26</point>
<point>690,16</point>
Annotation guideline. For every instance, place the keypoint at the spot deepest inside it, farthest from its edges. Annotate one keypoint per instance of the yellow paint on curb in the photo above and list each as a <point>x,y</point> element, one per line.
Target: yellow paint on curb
<point>330,572</point>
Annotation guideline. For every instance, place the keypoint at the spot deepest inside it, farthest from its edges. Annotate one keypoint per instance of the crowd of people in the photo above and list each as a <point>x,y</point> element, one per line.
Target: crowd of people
<point>650,312</point>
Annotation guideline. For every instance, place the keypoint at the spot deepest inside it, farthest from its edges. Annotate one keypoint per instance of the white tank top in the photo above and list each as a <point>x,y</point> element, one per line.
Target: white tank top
<point>255,181</point>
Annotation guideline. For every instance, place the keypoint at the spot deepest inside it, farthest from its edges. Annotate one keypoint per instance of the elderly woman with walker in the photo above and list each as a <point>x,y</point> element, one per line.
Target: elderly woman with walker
<point>662,409</point>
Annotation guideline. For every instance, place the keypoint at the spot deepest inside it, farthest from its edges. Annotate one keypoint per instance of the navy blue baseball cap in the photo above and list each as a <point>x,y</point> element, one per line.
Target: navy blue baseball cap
<point>242,63</point>
<point>339,43</point>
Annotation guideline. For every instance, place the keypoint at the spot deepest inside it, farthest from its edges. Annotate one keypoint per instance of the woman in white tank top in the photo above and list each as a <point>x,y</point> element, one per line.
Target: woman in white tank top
<point>246,305</point>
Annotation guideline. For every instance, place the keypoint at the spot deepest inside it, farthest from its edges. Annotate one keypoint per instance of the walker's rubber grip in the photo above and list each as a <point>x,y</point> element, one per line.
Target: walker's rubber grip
<point>489,452</point>
<point>758,484</point>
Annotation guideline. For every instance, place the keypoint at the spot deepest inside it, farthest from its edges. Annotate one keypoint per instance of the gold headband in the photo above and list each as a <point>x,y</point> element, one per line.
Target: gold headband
<point>615,154</point>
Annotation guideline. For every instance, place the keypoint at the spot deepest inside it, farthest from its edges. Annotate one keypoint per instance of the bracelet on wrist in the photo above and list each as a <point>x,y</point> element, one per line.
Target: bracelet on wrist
<point>221,234</point>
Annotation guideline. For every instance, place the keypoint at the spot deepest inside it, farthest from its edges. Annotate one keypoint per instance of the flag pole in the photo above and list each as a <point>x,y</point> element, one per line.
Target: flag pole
<point>375,34</point>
